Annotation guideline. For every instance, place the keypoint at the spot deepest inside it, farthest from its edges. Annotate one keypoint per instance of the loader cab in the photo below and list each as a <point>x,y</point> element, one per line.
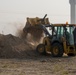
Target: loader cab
<point>66,32</point>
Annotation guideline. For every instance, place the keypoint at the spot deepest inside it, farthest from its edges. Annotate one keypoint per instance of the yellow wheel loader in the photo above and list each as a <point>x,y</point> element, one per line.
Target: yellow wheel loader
<point>58,39</point>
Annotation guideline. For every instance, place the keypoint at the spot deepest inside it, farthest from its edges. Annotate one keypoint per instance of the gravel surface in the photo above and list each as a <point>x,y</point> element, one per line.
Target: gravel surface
<point>41,65</point>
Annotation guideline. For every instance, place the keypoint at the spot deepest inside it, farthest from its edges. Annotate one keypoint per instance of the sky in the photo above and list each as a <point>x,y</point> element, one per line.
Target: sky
<point>13,13</point>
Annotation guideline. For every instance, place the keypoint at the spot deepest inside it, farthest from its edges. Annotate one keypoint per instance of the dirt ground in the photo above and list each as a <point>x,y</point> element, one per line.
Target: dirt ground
<point>41,65</point>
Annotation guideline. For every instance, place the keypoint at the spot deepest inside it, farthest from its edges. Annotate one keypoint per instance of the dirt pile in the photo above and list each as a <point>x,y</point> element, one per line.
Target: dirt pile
<point>15,47</point>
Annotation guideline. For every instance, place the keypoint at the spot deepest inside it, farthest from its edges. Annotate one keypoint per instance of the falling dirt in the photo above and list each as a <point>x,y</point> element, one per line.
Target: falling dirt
<point>36,32</point>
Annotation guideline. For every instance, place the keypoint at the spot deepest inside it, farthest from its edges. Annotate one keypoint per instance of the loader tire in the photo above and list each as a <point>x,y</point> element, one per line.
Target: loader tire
<point>41,49</point>
<point>57,50</point>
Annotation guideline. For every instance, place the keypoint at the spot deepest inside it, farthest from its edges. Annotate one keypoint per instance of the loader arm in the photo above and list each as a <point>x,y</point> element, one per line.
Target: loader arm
<point>44,28</point>
<point>42,19</point>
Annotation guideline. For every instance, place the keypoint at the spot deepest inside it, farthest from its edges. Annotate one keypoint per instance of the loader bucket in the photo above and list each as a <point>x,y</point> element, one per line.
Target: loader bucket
<point>33,27</point>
